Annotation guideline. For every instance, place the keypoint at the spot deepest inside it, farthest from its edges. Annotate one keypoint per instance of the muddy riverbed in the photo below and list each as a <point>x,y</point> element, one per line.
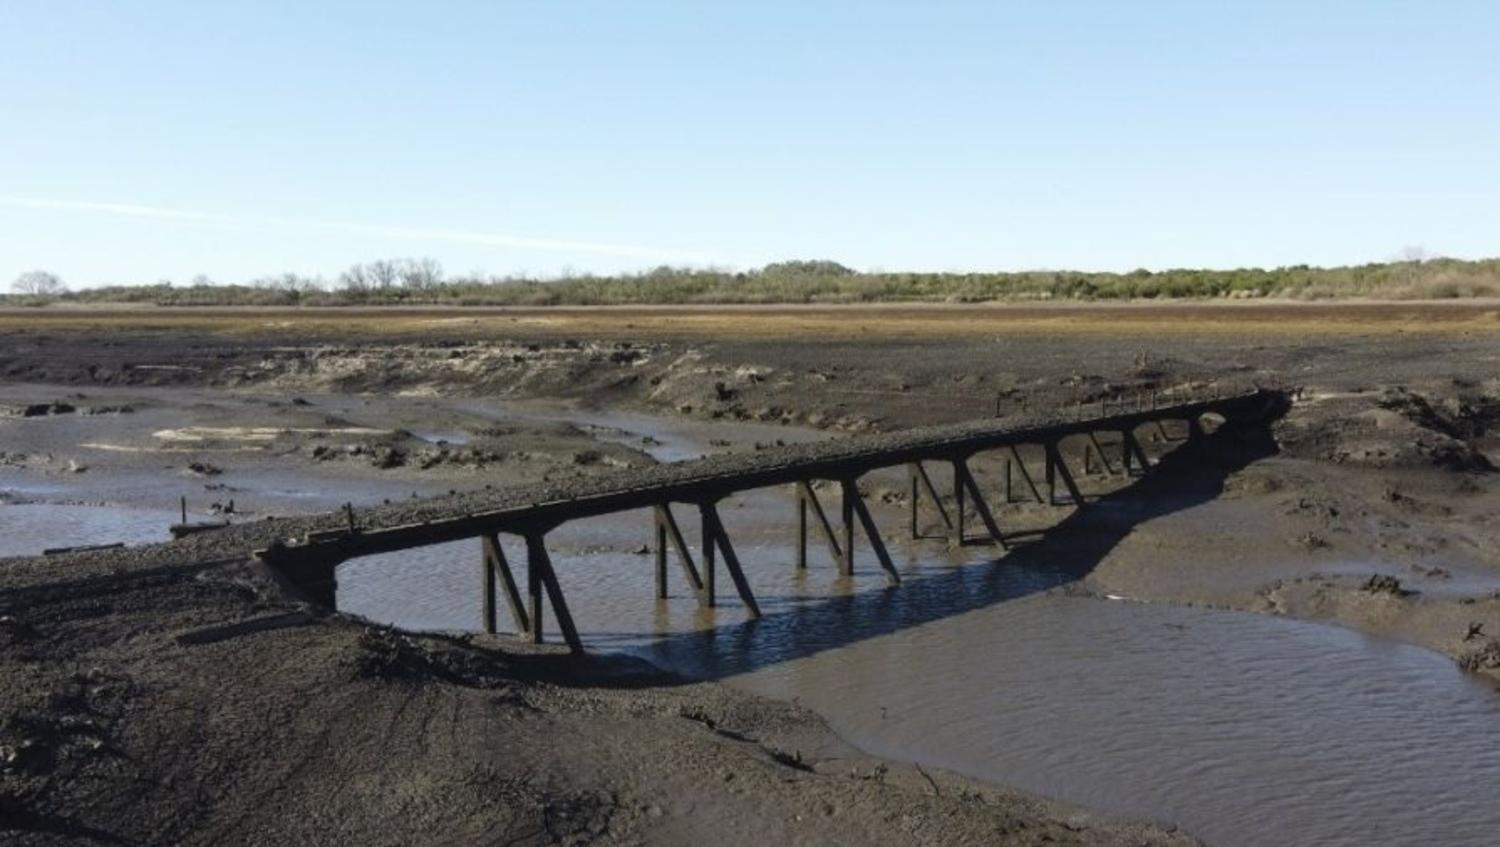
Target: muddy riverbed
<point>1289,649</point>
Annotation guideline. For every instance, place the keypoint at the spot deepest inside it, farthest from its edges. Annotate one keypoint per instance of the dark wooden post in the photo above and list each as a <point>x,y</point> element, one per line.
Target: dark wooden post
<point>1059,469</point>
<point>539,567</point>
<point>1134,452</point>
<point>534,589</point>
<point>920,480</point>
<point>668,531</point>
<point>1100,452</point>
<point>714,534</point>
<point>487,580</point>
<point>709,577</point>
<point>496,565</point>
<point>659,531</point>
<point>981,506</point>
<point>801,530</point>
<point>872,532</point>
<point>850,494</point>
<point>916,497</point>
<point>809,500</point>
<point>956,531</point>
<point>1051,451</point>
<point>1020,468</point>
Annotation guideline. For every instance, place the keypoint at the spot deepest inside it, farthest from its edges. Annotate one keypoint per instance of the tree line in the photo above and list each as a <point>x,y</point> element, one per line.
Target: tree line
<point>422,281</point>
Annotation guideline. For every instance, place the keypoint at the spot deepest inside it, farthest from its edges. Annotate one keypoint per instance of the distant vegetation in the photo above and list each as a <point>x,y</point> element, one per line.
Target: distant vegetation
<point>421,281</point>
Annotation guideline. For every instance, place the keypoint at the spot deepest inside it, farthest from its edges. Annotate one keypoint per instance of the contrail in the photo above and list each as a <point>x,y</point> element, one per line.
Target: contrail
<point>453,236</point>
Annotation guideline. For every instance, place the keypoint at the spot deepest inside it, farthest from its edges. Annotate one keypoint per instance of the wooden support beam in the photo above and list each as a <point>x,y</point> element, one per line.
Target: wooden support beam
<point>1049,451</point>
<point>1133,452</point>
<point>921,482</point>
<point>981,506</point>
<point>849,495</point>
<point>668,531</point>
<point>709,598</point>
<point>659,547</point>
<point>808,499</point>
<point>1020,466</point>
<point>541,576</point>
<point>714,534</point>
<point>872,532</point>
<point>1055,469</point>
<point>956,530</point>
<point>487,589</point>
<point>495,565</point>
<point>1103,456</point>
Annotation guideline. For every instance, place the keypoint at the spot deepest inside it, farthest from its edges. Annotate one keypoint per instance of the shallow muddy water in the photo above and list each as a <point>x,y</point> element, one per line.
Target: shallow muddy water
<point>1243,729</point>
<point>27,529</point>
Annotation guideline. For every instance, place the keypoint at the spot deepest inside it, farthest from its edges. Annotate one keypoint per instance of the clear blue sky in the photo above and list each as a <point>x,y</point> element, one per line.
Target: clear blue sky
<point>149,140</point>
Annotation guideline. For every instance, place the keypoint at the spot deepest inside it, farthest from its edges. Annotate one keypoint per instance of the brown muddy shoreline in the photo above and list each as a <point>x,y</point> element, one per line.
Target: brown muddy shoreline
<point>1382,472</point>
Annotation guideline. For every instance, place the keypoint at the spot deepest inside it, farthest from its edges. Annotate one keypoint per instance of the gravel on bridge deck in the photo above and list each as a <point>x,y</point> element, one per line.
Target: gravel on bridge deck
<point>239,541</point>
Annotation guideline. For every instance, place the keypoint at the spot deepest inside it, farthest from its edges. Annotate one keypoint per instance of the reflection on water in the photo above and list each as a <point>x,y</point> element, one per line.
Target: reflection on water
<point>1243,729</point>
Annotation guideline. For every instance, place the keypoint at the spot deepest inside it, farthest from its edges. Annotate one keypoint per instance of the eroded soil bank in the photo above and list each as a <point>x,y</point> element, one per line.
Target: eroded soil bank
<point>1375,514</point>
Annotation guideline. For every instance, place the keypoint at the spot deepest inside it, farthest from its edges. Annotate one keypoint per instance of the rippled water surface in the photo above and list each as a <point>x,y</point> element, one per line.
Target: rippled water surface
<point>1243,729</point>
<point>29,528</point>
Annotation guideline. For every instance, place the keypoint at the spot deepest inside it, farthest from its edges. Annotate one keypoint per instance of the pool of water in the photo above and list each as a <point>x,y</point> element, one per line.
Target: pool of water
<point>26,529</point>
<point>1243,729</point>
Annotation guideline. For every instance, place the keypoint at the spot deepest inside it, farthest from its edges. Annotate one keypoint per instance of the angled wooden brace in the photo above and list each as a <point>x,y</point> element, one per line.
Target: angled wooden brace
<point>808,499</point>
<point>1019,466</point>
<point>493,565</point>
<point>714,535</point>
<point>666,530</point>
<point>967,481</point>
<point>1132,454</point>
<point>854,507</point>
<point>921,482</point>
<point>1103,456</point>
<point>1057,469</point>
<point>539,577</point>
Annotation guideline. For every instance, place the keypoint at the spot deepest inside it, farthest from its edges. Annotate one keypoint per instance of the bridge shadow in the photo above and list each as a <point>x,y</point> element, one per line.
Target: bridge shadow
<point>794,628</point>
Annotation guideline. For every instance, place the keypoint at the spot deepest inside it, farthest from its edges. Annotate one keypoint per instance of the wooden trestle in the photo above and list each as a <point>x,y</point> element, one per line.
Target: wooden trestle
<point>309,565</point>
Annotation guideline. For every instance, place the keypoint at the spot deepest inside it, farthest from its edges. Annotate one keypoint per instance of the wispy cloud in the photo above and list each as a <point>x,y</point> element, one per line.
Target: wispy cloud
<point>124,209</point>
<point>408,233</point>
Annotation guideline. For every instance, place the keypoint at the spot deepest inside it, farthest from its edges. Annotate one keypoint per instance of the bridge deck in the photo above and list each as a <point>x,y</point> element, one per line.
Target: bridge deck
<point>535,509</point>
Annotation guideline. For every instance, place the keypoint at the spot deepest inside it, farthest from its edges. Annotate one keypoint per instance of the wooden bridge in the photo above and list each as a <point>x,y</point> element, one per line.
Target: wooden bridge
<point>530,512</point>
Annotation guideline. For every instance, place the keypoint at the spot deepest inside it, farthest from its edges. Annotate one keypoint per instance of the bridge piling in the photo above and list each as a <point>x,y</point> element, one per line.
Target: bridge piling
<point>807,499</point>
<point>494,565</point>
<point>1098,450</point>
<point>540,577</point>
<point>956,529</point>
<point>1132,453</point>
<point>714,535</point>
<point>872,532</point>
<point>1020,467</point>
<point>920,483</point>
<point>668,531</point>
<point>1058,469</point>
<point>849,495</point>
<point>981,506</point>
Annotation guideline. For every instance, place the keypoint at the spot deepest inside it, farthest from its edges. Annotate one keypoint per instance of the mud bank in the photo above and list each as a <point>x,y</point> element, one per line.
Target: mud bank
<point>1374,514</point>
